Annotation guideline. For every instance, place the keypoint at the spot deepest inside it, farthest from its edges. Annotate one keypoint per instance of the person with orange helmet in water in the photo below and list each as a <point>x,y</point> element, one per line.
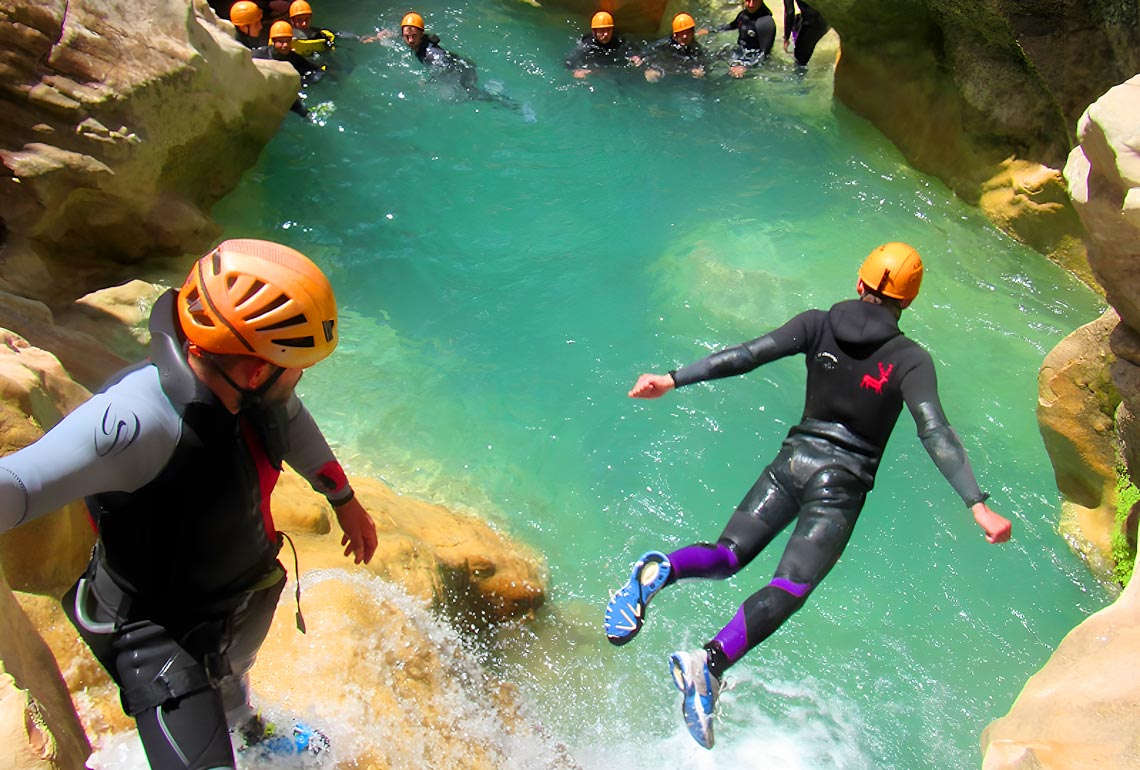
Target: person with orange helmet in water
<point>248,20</point>
<point>676,54</point>
<point>601,48</point>
<point>281,49</point>
<point>177,457</point>
<point>861,371</point>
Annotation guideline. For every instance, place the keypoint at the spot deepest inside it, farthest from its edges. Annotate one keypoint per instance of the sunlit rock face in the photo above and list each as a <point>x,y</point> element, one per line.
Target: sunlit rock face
<point>1076,404</point>
<point>1104,181</point>
<point>114,158</point>
<point>1081,709</point>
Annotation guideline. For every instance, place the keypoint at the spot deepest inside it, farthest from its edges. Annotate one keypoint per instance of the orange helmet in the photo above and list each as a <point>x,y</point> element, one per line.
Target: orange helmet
<point>245,12</point>
<point>300,8</point>
<point>412,20</point>
<point>281,29</point>
<point>893,270</point>
<point>682,22</point>
<point>261,299</point>
<point>602,20</point>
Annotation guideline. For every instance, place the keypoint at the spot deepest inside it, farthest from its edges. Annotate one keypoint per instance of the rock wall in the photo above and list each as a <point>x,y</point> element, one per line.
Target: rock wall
<point>111,159</point>
<point>1080,710</point>
<point>985,95</point>
<point>1076,406</point>
<point>1104,181</point>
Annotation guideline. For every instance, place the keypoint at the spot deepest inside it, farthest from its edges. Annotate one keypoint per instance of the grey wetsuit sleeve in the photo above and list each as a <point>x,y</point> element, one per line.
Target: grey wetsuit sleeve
<point>792,337</point>
<point>116,441</point>
<point>310,455</point>
<point>920,391</point>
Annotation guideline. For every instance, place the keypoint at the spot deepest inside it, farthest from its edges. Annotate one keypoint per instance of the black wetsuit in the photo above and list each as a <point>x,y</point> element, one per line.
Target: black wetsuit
<point>671,57</point>
<point>591,54</point>
<point>861,370</point>
<point>184,581</point>
<point>756,34</point>
<point>805,27</point>
<point>442,61</point>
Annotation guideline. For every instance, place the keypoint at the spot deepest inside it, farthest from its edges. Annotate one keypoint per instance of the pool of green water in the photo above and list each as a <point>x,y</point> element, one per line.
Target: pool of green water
<point>503,280</point>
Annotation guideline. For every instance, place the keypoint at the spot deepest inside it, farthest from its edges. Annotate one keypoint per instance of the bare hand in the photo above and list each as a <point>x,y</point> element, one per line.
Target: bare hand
<point>653,75</point>
<point>785,46</point>
<point>996,526</point>
<point>652,386</point>
<point>737,71</point>
<point>581,74</point>
<point>359,531</point>
<point>698,72</point>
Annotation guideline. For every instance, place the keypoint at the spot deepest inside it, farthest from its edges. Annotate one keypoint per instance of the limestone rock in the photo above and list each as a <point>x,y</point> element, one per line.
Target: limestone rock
<point>1031,202</point>
<point>1104,181</point>
<point>458,563</point>
<point>1080,710</point>
<point>112,158</point>
<point>1075,406</point>
<point>39,728</point>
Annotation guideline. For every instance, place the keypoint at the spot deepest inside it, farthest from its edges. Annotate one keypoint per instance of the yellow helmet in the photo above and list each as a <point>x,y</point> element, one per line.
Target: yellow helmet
<point>893,270</point>
<point>682,22</point>
<point>602,20</point>
<point>412,20</point>
<point>300,8</point>
<point>261,299</point>
<point>245,12</point>
<point>281,29</point>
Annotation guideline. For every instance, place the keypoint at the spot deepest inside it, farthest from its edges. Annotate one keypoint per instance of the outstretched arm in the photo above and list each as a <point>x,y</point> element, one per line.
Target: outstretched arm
<point>920,390</point>
<point>116,441</point>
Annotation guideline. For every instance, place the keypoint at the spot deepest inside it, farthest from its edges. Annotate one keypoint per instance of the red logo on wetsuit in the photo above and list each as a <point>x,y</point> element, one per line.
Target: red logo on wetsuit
<point>871,383</point>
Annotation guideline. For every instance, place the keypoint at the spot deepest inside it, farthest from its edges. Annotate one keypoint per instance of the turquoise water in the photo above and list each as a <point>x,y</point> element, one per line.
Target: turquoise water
<point>502,284</point>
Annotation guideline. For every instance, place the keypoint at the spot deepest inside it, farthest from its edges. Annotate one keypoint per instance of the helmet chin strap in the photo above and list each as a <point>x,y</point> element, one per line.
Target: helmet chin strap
<point>250,397</point>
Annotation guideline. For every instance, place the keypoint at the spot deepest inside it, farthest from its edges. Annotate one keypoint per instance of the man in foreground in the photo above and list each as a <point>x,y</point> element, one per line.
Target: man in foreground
<point>177,458</point>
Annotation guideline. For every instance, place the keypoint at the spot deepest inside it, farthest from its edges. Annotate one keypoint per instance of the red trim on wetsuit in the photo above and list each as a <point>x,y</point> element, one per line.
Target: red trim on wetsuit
<point>267,475</point>
<point>332,478</point>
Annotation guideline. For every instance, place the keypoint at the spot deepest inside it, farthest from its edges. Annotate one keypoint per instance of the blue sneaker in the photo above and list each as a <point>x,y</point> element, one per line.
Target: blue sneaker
<point>626,611</point>
<point>699,692</point>
<point>263,738</point>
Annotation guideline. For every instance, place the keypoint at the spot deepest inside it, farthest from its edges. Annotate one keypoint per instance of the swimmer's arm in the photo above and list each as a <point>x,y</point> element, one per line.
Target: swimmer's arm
<point>790,338</point>
<point>941,442</point>
<point>311,456</point>
<point>103,446</point>
<point>787,340</point>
